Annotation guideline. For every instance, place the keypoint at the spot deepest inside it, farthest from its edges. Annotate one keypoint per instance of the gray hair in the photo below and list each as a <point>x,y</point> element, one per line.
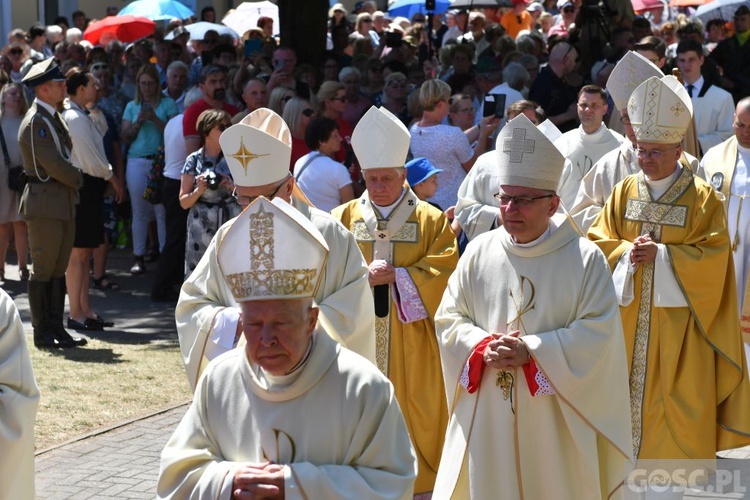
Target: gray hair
<point>177,65</point>
<point>515,75</point>
<point>525,44</point>
<point>349,70</point>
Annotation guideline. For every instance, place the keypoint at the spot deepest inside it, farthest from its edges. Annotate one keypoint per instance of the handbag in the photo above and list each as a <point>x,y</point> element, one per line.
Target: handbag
<point>16,175</point>
<point>155,178</point>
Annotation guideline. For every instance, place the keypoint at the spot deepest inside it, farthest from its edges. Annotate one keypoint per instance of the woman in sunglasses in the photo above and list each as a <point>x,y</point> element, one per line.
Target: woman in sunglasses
<point>18,53</point>
<point>297,114</point>
<point>206,187</point>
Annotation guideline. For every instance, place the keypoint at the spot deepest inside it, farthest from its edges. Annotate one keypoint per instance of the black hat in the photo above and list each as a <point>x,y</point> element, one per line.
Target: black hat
<point>742,11</point>
<point>43,72</point>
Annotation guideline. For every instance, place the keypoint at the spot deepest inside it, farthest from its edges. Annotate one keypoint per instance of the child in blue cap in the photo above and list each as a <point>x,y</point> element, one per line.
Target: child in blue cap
<point>420,174</point>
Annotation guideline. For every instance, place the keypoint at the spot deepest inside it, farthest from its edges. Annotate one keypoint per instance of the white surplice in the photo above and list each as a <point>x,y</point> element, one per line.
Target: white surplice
<point>19,400</point>
<point>207,314</point>
<point>573,444</point>
<point>581,152</point>
<point>336,428</point>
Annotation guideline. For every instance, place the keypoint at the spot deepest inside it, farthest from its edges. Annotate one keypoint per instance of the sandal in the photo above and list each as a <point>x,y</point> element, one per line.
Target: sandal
<point>104,283</point>
<point>102,321</point>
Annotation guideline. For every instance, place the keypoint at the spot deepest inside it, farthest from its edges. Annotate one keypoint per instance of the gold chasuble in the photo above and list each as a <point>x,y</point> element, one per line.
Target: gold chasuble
<point>417,240</point>
<point>690,393</point>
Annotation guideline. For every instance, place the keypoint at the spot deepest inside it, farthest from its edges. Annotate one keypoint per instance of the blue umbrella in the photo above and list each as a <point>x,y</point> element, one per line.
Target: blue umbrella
<point>157,10</point>
<point>407,8</point>
<point>719,9</point>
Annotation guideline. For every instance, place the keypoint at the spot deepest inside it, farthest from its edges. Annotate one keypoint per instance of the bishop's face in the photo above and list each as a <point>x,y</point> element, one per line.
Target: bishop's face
<point>742,126</point>
<point>384,185</point>
<point>278,332</point>
<point>525,211</point>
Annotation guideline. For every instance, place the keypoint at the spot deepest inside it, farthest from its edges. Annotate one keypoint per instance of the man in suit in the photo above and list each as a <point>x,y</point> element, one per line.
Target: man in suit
<point>48,203</point>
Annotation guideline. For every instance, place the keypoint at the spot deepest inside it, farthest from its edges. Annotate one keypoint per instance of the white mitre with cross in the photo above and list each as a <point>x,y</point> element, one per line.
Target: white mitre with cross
<point>272,251</point>
<point>526,157</point>
<point>380,140</point>
<point>632,70</point>
<point>660,110</point>
<point>258,149</point>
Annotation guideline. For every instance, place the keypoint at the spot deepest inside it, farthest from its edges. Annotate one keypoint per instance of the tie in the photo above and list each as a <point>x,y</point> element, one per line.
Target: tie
<point>690,90</point>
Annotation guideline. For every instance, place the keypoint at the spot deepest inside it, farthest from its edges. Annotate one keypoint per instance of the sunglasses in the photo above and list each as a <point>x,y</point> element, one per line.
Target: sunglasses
<point>308,112</point>
<point>99,66</point>
<point>15,52</point>
<point>286,98</point>
<point>223,126</point>
<point>569,9</point>
<point>340,99</point>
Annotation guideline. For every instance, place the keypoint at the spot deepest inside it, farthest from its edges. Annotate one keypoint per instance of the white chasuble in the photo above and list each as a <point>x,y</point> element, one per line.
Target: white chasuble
<point>336,428</point>
<point>572,444</point>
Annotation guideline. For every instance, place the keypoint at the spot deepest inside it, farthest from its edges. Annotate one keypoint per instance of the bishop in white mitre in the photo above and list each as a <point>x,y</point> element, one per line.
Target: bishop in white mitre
<point>208,318</point>
<point>536,380</point>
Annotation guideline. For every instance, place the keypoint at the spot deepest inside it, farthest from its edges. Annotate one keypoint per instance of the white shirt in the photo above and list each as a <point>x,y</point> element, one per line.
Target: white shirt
<point>321,179</point>
<point>88,143</point>
<point>174,148</point>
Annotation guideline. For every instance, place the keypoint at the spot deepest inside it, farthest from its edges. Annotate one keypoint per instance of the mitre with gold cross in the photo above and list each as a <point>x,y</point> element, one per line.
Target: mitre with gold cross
<point>526,157</point>
<point>660,110</point>
<point>257,268</point>
<point>258,149</point>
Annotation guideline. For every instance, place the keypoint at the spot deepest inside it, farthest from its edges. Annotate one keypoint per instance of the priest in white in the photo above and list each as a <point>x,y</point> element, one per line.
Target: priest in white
<point>584,146</point>
<point>19,400</point>
<point>292,414</point>
<point>713,107</point>
<point>613,167</point>
<point>727,169</point>
<point>527,368</point>
<point>208,319</point>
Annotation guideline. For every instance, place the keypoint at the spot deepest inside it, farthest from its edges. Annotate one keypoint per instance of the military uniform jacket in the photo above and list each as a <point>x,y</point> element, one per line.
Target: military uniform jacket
<point>48,160</point>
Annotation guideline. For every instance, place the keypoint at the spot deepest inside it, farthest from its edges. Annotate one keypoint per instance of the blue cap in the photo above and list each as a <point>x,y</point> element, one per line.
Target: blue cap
<point>419,170</point>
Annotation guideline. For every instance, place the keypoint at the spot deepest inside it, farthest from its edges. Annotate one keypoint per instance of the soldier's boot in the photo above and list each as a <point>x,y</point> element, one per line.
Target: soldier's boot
<point>44,338</point>
<point>56,312</point>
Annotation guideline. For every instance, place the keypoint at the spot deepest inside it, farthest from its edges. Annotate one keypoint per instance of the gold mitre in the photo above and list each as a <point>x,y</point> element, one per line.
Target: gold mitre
<point>256,268</point>
<point>660,110</point>
<point>526,157</point>
<point>258,149</point>
<point>632,70</point>
<point>380,140</point>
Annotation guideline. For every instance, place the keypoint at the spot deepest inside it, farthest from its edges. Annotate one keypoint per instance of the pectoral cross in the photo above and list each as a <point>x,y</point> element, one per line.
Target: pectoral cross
<point>505,379</point>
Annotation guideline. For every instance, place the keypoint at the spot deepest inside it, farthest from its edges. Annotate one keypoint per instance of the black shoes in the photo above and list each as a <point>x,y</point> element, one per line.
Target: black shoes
<point>88,324</point>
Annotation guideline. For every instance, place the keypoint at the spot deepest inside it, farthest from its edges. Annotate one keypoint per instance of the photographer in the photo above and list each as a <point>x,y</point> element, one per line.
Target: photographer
<point>206,187</point>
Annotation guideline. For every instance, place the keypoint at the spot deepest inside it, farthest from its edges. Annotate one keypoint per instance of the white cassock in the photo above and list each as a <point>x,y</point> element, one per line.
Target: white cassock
<point>334,424</point>
<point>713,113</point>
<point>551,442</point>
<point>19,400</point>
<point>207,314</point>
<point>477,209</point>
<point>720,170</point>
<point>598,183</point>
<point>581,152</point>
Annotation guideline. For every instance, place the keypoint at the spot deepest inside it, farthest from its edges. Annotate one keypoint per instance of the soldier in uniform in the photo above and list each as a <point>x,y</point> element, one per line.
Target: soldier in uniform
<point>48,203</point>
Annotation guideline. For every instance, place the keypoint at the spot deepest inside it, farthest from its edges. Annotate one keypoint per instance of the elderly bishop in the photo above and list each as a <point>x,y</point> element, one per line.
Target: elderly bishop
<point>664,233</point>
<point>209,321</point>
<point>293,414</point>
<point>411,251</point>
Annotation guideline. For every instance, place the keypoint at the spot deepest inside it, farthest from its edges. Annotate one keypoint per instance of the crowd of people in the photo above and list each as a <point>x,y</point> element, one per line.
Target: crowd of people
<point>532,250</point>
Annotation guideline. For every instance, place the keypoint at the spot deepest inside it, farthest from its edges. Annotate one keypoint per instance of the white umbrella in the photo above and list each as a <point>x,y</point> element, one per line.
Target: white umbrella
<point>198,30</point>
<point>245,17</point>
<point>719,9</point>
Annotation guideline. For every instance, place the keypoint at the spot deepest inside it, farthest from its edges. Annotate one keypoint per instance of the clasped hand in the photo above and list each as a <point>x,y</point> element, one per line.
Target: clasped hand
<point>644,250</point>
<point>381,273</point>
<point>506,350</point>
<point>257,481</point>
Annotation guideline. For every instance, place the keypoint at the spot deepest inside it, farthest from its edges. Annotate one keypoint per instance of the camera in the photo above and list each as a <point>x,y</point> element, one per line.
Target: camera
<point>212,180</point>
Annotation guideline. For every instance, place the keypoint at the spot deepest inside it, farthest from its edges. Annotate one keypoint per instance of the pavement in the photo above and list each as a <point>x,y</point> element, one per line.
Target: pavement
<point>122,461</point>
